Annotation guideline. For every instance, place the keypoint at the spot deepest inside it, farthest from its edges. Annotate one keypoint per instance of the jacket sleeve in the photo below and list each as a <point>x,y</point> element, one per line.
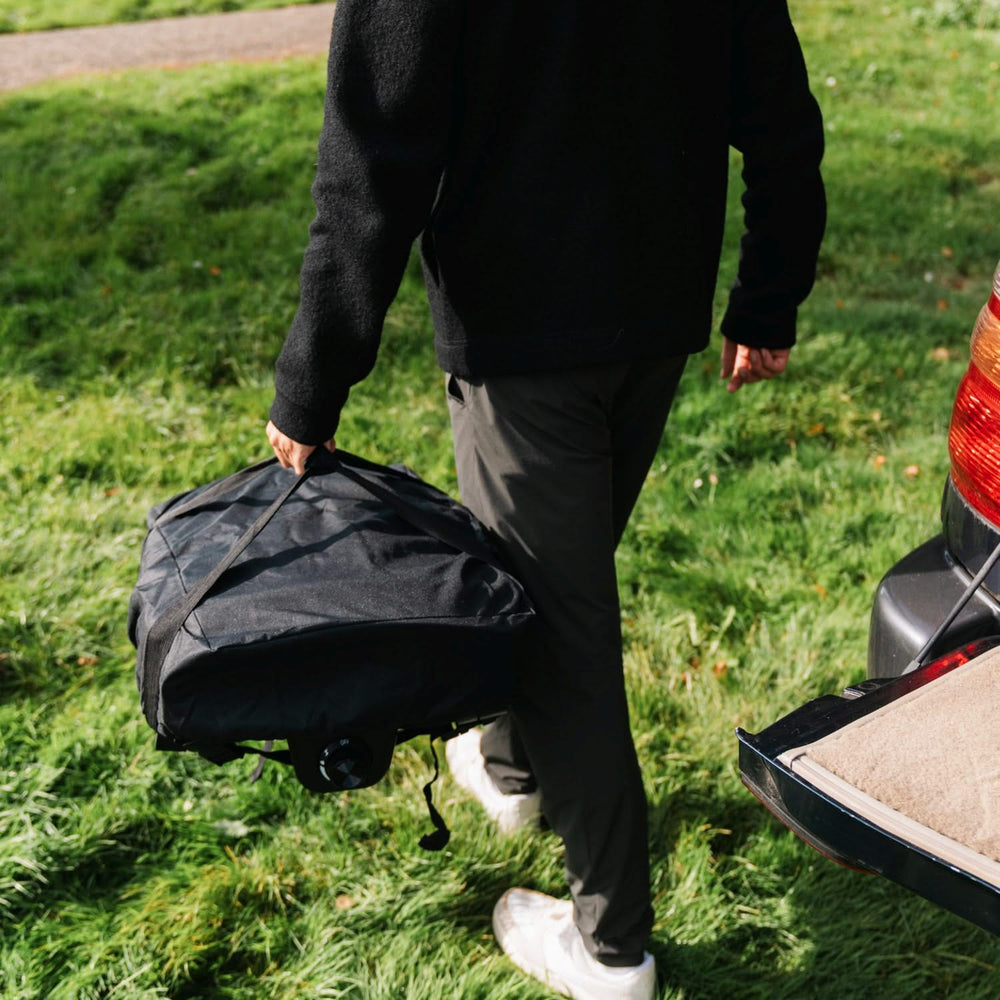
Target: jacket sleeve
<point>777,126</point>
<point>387,117</point>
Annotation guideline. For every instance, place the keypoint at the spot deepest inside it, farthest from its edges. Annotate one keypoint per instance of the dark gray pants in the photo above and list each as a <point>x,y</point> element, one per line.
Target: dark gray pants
<point>552,465</point>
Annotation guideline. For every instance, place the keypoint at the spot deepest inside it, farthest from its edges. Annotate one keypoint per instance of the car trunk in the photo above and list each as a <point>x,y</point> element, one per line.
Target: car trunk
<point>900,777</point>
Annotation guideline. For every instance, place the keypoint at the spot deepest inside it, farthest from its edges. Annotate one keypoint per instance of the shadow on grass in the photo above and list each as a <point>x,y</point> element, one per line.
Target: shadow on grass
<point>797,925</point>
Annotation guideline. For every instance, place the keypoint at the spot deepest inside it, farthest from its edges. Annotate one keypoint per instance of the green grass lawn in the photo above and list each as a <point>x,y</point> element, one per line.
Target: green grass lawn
<point>153,229</point>
<point>38,15</point>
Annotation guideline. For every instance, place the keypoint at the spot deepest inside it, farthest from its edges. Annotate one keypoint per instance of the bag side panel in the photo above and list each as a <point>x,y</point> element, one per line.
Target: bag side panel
<point>413,676</point>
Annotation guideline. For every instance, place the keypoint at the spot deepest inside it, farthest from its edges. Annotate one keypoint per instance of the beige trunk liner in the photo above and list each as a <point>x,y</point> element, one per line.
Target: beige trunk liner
<point>925,767</point>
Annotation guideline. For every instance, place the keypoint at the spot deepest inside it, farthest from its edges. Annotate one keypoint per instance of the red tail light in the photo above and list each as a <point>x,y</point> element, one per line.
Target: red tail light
<point>974,438</point>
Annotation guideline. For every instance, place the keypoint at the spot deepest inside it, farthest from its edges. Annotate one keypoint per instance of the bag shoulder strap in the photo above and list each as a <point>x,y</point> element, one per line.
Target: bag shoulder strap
<point>202,498</point>
<point>161,634</point>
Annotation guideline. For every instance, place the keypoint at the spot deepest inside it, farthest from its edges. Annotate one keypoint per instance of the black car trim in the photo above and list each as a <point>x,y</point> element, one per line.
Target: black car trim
<point>852,841</point>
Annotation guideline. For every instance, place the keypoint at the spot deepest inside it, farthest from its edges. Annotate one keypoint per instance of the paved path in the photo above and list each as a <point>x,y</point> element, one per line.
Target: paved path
<point>249,36</point>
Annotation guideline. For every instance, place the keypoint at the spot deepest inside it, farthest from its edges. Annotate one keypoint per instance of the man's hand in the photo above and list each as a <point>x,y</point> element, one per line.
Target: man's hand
<point>291,454</point>
<point>744,365</point>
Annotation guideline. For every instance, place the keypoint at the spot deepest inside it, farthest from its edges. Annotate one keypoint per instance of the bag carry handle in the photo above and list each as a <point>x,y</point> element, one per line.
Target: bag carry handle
<point>162,633</point>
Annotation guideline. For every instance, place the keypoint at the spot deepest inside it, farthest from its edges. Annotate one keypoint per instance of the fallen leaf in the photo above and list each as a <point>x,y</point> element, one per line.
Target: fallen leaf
<point>720,669</point>
<point>942,304</point>
<point>344,902</point>
<point>87,660</point>
<point>941,354</point>
<point>815,429</point>
<point>947,252</point>
<point>215,271</point>
<point>820,589</point>
<point>878,461</point>
<point>912,471</point>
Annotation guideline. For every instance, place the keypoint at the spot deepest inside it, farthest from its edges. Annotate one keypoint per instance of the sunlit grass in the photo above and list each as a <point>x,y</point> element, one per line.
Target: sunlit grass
<point>153,228</point>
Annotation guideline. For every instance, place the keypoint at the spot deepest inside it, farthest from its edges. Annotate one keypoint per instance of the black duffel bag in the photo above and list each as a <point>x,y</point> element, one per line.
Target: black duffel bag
<point>344,610</point>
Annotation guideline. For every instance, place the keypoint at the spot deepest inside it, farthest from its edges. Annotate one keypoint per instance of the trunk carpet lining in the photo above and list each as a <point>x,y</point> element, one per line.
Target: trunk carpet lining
<point>932,755</point>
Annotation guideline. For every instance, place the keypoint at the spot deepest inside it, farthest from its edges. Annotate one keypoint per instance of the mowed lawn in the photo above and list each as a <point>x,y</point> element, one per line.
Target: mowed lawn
<point>153,225</point>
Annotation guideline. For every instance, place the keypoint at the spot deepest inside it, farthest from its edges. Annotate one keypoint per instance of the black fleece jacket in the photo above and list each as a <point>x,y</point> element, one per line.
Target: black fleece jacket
<point>565,165</point>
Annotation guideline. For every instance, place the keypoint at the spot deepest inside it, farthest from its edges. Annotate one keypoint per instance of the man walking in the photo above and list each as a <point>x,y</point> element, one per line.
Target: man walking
<point>564,166</point>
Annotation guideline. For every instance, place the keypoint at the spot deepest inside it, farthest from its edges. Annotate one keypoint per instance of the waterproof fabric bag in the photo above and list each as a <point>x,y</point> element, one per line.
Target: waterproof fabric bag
<point>342,610</point>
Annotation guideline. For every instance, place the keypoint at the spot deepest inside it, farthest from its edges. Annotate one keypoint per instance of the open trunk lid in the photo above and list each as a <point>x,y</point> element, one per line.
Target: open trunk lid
<point>900,777</point>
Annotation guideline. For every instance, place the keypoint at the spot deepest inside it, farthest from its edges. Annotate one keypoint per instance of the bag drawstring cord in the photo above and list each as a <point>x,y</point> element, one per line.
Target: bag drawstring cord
<point>438,839</point>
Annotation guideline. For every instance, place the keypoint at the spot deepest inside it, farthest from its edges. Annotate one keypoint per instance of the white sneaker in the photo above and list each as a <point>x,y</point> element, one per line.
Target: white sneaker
<point>539,936</point>
<point>465,759</point>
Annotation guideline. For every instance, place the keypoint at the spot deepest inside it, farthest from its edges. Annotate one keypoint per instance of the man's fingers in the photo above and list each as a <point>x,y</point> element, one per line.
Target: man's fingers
<point>298,454</point>
<point>741,377</point>
<point>744,365</point>
<point>290,454</point>
<point>736,364</point>
<point>274,438</point>
<point>773,362</point>
<point>760,362</point>
<point>728,359</point>
<point>764,363</point>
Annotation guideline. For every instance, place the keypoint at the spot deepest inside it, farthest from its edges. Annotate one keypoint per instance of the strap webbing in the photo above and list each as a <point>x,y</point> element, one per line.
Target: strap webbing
<point>223,753</point>
<point>265,752</point>
<point>438,839</point>
<point>204,497</point>
<point>161,635</point>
